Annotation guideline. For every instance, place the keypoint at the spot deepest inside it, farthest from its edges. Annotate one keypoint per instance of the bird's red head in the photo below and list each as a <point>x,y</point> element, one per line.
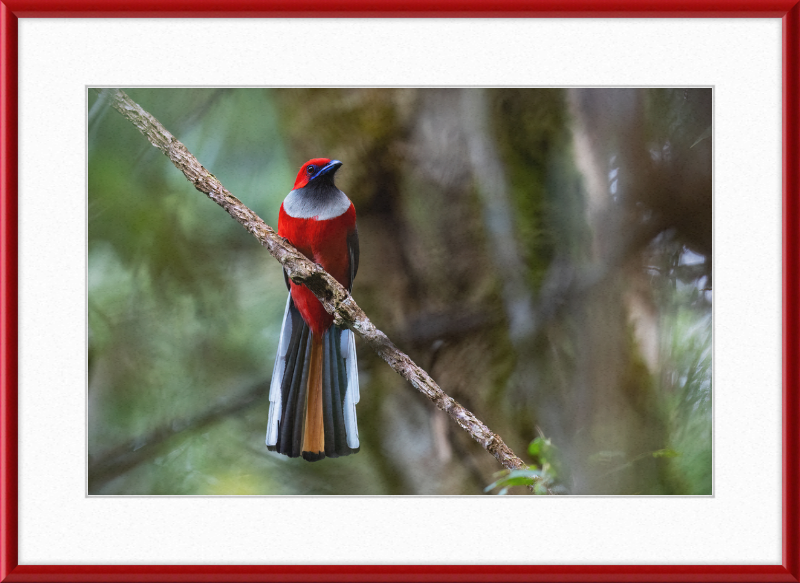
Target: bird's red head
<point>315,168</point>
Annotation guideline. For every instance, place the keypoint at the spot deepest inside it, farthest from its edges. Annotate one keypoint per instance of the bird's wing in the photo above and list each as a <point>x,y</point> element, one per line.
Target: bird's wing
<point>352,249</point>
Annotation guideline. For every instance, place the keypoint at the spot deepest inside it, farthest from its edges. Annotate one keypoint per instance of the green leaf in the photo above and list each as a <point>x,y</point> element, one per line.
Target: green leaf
<point>666,453</point>
<point>516,478</point>
<point>525,474</point>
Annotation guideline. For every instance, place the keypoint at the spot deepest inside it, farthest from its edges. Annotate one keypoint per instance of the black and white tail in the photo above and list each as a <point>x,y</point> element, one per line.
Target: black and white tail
<point>314,391</point>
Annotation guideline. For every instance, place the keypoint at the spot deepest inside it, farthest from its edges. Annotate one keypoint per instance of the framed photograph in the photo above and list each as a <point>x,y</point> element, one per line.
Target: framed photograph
<point>547,199</point>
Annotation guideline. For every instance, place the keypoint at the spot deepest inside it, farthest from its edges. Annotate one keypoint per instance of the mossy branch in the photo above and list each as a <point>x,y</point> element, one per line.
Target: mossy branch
<point>336,300</point>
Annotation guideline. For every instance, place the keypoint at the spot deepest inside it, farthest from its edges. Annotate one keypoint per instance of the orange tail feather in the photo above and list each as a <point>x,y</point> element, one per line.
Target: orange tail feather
<point>314,435</point>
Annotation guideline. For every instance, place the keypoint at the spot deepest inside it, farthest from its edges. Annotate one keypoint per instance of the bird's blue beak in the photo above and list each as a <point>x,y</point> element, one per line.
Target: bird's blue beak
<point>329,168</point>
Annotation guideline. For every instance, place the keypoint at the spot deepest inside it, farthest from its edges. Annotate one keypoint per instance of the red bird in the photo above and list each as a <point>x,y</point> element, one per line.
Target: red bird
<point>314,389</point>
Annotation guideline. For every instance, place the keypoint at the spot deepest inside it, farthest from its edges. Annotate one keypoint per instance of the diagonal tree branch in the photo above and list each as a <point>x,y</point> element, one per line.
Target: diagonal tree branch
<point>334,297</point>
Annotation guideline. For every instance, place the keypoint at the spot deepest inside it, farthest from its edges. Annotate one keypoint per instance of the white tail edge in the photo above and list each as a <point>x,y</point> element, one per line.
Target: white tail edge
<point>275,396</point>
<point>351,395</point>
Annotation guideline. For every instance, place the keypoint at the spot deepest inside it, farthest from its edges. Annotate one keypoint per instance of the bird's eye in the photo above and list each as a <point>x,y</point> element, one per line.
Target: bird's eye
<point>310,170</point>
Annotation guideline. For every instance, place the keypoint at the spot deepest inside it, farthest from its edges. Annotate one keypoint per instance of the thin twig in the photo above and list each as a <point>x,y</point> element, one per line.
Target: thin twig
<point>336,300</point>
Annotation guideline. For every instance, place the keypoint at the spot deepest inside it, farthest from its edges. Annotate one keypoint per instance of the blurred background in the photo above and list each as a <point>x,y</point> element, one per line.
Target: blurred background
<point>544,254</point>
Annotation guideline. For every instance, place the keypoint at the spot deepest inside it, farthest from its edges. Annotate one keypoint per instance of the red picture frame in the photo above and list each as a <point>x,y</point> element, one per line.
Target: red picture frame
<point>11,10</point>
